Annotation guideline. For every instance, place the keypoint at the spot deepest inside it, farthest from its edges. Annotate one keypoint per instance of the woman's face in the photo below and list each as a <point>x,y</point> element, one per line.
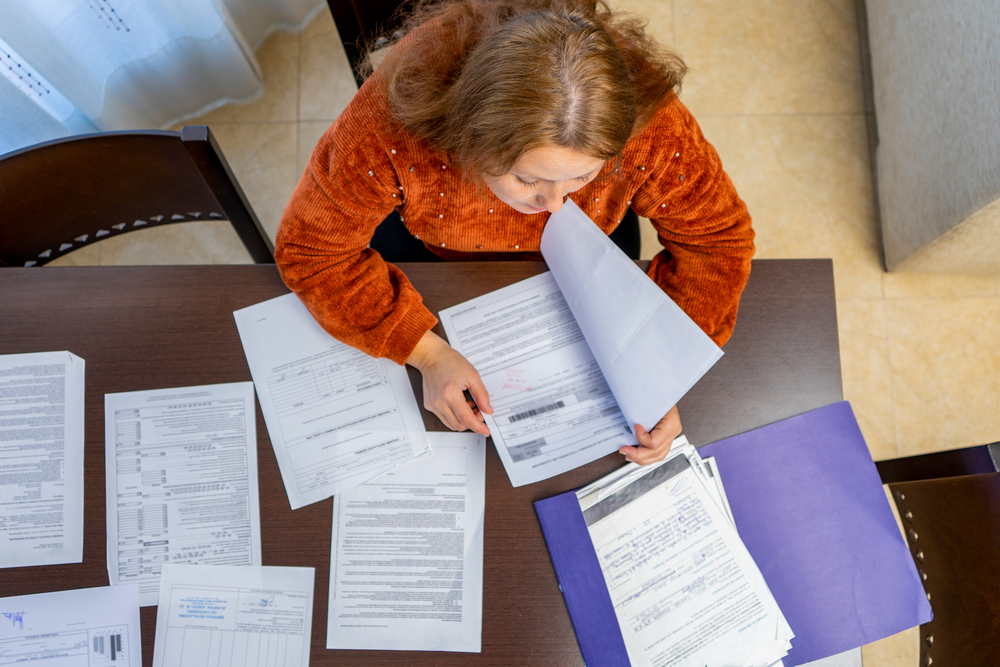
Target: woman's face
<point>542,177</point>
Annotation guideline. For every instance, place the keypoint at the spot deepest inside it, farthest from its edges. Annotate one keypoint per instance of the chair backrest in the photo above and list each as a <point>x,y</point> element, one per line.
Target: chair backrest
<point>952,526</point>
<point>360,21</point>
<point>61,195</point>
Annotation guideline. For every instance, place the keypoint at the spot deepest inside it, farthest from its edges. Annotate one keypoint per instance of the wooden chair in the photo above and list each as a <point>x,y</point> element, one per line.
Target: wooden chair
<point>360,21</point>
<point>949,503</point>
<point>61,195</point>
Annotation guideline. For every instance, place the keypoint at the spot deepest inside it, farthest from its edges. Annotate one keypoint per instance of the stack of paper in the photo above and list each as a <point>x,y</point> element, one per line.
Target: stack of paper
<point>684,588</point>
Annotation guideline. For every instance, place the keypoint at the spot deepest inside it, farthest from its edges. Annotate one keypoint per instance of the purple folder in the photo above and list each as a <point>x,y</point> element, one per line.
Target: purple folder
<point>809,505</point>
<point>581,581</point>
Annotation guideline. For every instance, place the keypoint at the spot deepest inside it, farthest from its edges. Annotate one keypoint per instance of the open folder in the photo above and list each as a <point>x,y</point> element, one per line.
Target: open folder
<point>809,506</point>
<point>574,358</point>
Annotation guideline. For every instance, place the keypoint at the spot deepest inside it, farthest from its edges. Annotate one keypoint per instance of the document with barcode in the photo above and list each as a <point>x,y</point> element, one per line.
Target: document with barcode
<point>86,627</point>
<point>41,459</point>
<point>575,358</point>
<point>552,408</point>
<point>181,467</point>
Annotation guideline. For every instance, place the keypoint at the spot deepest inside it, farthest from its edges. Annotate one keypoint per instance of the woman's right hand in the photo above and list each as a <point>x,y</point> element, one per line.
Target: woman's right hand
<point>447,374</point>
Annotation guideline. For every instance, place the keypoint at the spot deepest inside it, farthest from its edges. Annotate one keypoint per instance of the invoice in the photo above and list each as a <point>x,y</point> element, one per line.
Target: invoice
<point>336,416</point>
<point>41,459</point>
<point>181,468</point>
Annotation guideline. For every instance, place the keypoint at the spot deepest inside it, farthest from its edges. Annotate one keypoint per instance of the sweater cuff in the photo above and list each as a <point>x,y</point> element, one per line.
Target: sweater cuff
<point>408,333</point>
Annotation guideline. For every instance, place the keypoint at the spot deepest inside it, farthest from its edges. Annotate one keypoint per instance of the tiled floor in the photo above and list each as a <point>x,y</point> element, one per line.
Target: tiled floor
<point>776,85</point>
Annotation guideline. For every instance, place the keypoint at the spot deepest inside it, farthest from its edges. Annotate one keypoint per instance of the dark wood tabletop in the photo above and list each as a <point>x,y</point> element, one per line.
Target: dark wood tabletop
<point>142,328</point>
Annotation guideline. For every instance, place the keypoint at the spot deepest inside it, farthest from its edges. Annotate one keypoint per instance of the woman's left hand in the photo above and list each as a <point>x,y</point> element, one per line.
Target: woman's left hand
<point>654,445</point>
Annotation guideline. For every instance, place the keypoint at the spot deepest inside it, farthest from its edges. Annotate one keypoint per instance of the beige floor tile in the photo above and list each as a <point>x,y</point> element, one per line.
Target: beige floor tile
<point>658,14</point>
<point>864,362</point>
<point>309,135</point>
<point>279,63</point>
<point>208,242</point>
<point>89,255</point>
<point>326,84</point>
<point>770,56</point>
<point>806,182</point>
<point>262,155</point>
<point>899,650</point>
<point>946,372</point>
<point>650,244</point>
<point>940,285</point>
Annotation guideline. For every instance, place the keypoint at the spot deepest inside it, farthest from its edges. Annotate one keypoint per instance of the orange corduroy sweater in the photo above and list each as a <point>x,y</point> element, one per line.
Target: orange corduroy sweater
<point>366,165</point>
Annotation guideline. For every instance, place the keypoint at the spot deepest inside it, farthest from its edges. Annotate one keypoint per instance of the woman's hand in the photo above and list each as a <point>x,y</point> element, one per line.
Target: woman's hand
<point>447,374</point>
<point>654,445</point>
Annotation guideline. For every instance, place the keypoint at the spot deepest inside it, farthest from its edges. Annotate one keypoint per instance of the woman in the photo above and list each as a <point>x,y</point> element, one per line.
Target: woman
<point>479,123</point>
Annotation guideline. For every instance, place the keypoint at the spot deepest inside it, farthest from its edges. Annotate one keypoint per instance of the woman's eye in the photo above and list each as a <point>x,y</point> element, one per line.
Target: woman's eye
<point>526,183</point>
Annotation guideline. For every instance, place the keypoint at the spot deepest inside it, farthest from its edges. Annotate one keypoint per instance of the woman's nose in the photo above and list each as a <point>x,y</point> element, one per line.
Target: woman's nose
<point>552,198</point>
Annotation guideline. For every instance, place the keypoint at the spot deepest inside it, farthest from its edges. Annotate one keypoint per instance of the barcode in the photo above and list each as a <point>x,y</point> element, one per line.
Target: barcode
<point>537,411</point>
<point>113,645</point>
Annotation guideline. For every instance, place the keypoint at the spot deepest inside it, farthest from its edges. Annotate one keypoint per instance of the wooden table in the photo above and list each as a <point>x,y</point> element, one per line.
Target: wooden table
<point>153,327</point>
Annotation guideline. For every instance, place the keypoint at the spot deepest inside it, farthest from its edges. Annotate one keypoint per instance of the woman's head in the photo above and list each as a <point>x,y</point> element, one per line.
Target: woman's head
<point>542,79</point>
<point>488,81</point>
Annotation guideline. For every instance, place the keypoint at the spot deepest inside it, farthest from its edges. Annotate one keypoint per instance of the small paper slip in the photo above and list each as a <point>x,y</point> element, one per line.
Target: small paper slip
<point>336,416</point>
<point>223,616</point>
<point>41,458</point>
<point>574,358</point>
<point>181,475</point>
<point>406,562</point>
<point>87,626</point>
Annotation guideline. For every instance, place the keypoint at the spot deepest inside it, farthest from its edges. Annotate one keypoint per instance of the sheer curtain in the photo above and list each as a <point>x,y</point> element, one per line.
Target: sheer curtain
<point>75,66</point>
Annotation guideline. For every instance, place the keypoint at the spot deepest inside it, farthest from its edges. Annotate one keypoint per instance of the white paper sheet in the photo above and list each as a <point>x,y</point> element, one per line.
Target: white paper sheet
<point>41,459</point>
<point>406,563</point>
<point>336,416</point>
<point>224,616</point>
<point>650,351</point>
<point>552,409</point>
<point>685,590</point>
<point>181,467</point>
<point>87,627</point>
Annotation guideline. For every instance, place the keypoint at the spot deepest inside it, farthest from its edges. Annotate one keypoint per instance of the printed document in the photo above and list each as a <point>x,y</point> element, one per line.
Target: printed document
<point>650,351</point>
<point>224,616</point>
<point>573,359</point>
<point>406,562</point>
<point>336,416</point>
<point>685,589</point>
<point>552,408</point>
<point>87,627</point>
<point>181,468</point>
<point>41,459</point>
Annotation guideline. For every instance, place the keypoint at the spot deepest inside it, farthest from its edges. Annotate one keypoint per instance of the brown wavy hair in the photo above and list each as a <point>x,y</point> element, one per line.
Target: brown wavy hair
<point>487,80</point>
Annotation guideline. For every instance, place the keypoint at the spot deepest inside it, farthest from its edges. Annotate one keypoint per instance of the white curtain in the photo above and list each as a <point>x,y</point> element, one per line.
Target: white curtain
<point>76,66</point>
